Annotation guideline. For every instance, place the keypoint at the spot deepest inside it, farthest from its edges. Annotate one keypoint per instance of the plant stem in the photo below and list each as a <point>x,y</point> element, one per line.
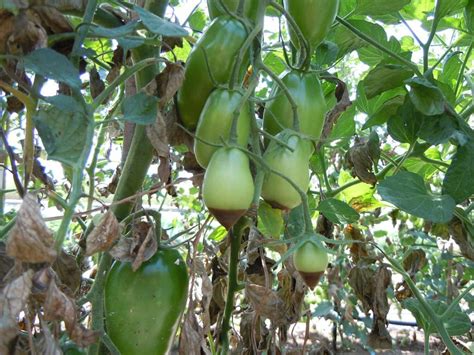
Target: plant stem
<point>461,71</point>
<point>427,343</point>
<point>377,45</point>
<point>82,31</point>
<point>235,235</point>
<point>426,46</point>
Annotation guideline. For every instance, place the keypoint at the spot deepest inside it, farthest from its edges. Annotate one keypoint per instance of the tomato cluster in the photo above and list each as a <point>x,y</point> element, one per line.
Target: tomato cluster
<point>212,105</point>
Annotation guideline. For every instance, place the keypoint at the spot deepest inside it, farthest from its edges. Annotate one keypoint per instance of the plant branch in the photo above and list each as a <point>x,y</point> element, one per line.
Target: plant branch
<point>377,45</point>
<point>461,70</point>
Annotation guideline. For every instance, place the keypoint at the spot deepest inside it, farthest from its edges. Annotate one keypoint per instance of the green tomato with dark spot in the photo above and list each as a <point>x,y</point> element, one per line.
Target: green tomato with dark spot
<point>310,261</point>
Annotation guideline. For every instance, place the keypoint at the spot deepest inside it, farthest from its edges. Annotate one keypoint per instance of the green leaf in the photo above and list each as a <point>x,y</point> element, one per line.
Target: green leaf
<point>65,103</point>
<point>323,309</point>
<point>140,108</point>
<point>270,220</point>
<point>218,234</point>
<point>345,127</point>
<point>437,129</point>
<point>426,97</point>
<point>52,65</point>
<point>385,77</point>
<point>405,124</point>
<point>275,62</point>
<point>419,9</point>
<point>326,54</point>
<point>115,32</point>
<point>159,26</point>
<point>456,323</point>
<point>459,179</point>
<point>197,21</point>
<point>338,212</point>
<point>296,224</point>
<point>63,133</point>
<point>359,196</point>
<point>371,7</point>
<point>450,7</point>
<point>388,109</point>
<point>408,192</point>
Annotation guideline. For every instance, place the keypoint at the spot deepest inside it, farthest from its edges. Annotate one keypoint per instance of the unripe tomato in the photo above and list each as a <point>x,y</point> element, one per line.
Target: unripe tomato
<point>313,17</point>
<point>305,88</point>
<point>311,261</point>
<point>216,122</point>
<point>143,308</point>
<point>228,186</point>
<point>250,8</point>
<point>220,44</point>
<point>277,191</point>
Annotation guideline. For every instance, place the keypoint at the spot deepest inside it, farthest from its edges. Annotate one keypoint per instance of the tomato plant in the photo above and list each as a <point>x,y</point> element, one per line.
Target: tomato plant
<point>249,147</point>
<point>143,307</point>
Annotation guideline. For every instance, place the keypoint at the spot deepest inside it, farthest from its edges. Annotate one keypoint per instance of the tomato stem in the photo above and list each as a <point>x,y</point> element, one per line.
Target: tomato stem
<point>232,286</point>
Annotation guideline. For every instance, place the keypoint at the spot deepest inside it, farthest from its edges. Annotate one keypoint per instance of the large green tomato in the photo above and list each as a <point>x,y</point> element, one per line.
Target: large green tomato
<point>306,91</point>
<point>250,8</point>
<point>311,261</point>
<point>220,44</point>
<point>143,308</point>
<point>216,121</point>
<point>228,186</point>
<point>277,191</point>
<point>313,17</point>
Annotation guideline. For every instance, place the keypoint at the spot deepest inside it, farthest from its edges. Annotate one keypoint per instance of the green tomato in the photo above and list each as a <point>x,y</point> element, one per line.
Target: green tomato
<point>306,91</point>
<point>228,186</point>
<point>216,121</point>
<point>277,191</point>
<point>313,17</point>
<point>220,44</point>
<point>310,261</point>
<point>250,8</point>
<point>143,308</point>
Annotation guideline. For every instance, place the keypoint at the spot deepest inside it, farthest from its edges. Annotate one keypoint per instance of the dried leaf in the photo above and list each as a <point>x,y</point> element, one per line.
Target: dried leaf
<point>96,83</point>
<point>30,240</point>
<point>27,35</point>
<point>104,235</point>
<point>414,261</point>
<point>157,134</point>
<point>266,303</point>
<point>361,279</point>
<point>6,264</point>
<point>343,102</point>
<point>146,250</point>
<point>12,300</point>
<point>169,81</point>
<point>379,337</point>
<point>361,157</point>
<point>68,271</point>
<point>463,237</point>
<point>48,344</point>
<point>57,306</point>
<point>138,249</point>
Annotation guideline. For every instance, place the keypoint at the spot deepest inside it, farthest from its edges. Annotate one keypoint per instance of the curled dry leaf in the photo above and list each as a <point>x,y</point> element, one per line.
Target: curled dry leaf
<point>27,34</point>
<point>169,81</point>
<point>57,306</point>
<point>138,249</point>
<point>6,264</point>
<point>379,337</point>
<point>12,300</point>
<point>68,272</point>
<point>104,235</point>
<point>343,102</point>
<point>412,263</point>
<point>30,240</point>
<point>362,156</point>
<point>266,303</point>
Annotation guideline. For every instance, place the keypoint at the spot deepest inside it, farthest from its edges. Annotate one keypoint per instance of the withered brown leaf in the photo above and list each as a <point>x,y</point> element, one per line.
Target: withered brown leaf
<point>104,235</point>
<point>30,240</point>
<point>266,303</point>
<point>57,306</point>
<point>12,300</point>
